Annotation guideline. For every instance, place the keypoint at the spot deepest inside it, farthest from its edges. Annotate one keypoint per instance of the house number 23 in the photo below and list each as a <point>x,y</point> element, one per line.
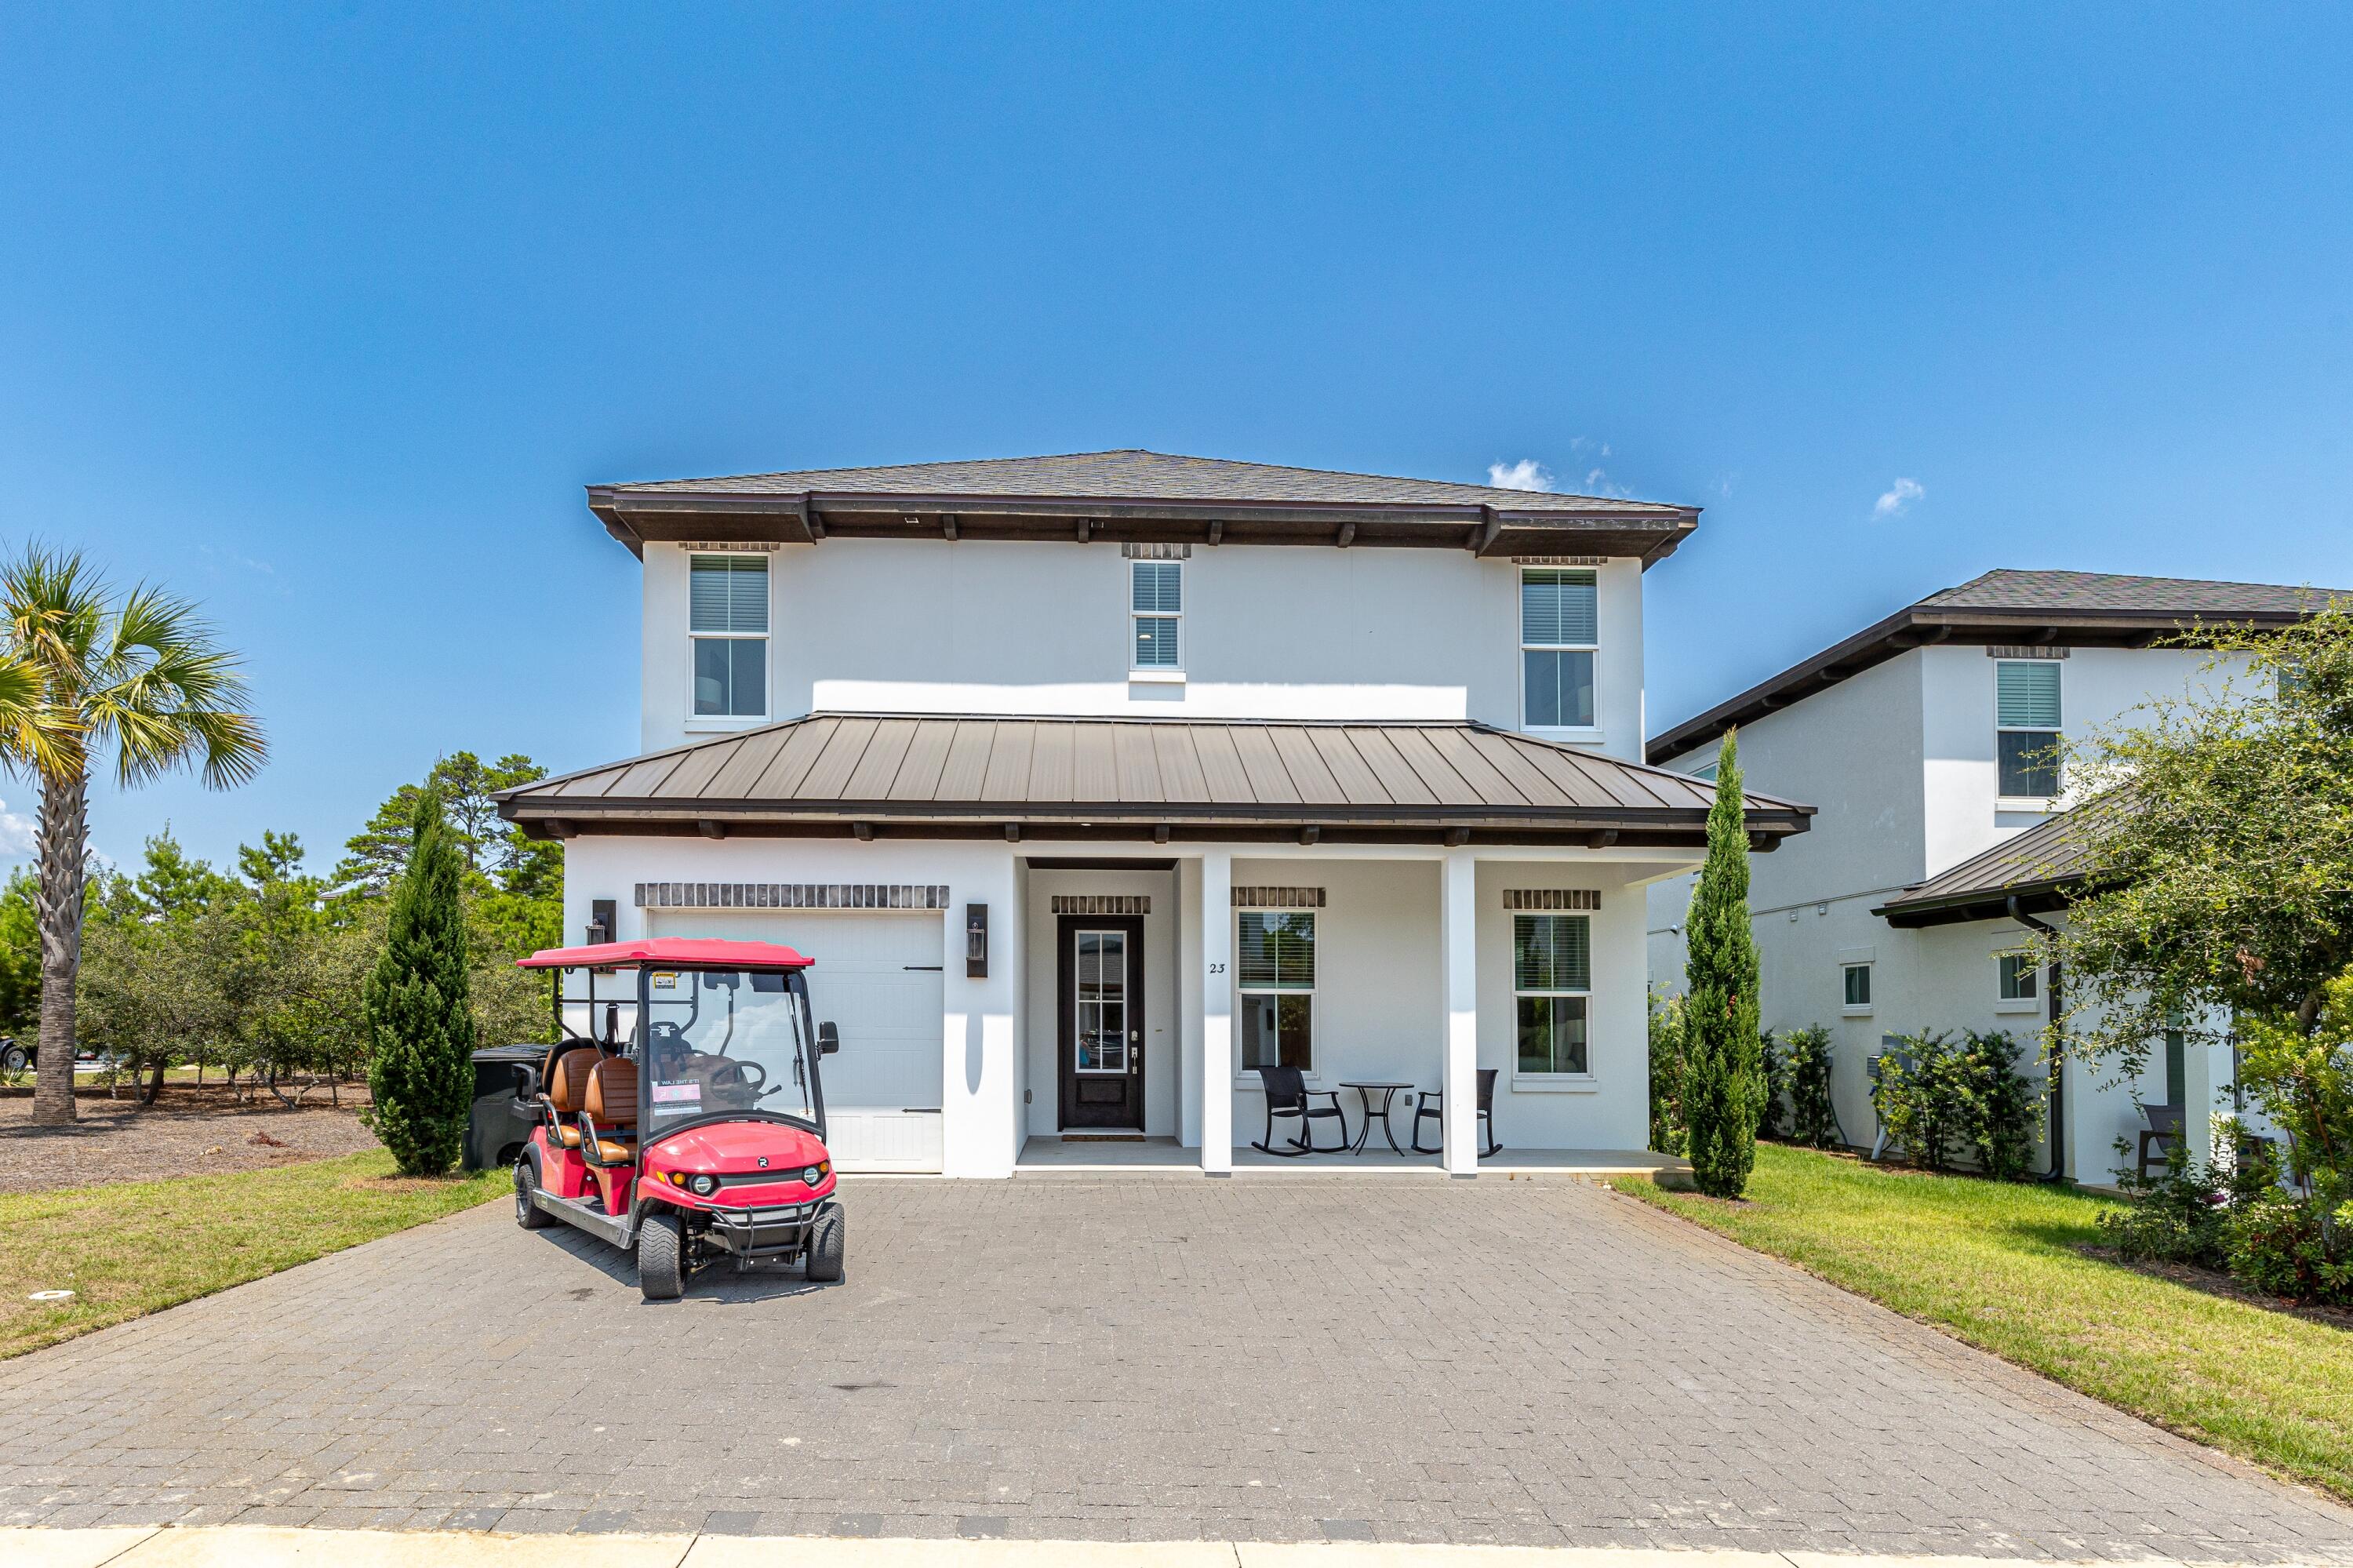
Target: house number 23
<point>1216,968</point>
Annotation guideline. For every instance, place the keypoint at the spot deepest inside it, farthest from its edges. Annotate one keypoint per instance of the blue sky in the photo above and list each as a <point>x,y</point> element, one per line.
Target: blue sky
<point>323,316</point>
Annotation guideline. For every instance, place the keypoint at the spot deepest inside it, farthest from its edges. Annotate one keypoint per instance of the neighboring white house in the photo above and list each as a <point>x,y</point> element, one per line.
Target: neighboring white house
<point>1094,782</point>
<point>1926,741</point>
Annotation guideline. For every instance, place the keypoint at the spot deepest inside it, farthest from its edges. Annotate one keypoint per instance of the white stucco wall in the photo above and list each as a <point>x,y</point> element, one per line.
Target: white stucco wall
<point>1302,633</point>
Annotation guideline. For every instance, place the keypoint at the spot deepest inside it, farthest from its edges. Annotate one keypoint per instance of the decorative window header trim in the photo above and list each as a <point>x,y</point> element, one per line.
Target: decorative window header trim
<point>1278,898</point>
<point>791,896</point>
<point>2024,651</point>
<point>734,547</point>
<point>1156,552</point>
<point>1527,898</point>
<point>1102,904</point>
<point>1561,560</point>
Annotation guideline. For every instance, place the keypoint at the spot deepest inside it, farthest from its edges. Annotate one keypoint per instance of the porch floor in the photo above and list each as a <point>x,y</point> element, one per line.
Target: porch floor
<point>1048,1155</point>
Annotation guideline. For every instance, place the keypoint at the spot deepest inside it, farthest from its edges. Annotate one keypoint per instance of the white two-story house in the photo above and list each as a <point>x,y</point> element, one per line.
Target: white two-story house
<point>1095,783</point>
<point>1930,743</point>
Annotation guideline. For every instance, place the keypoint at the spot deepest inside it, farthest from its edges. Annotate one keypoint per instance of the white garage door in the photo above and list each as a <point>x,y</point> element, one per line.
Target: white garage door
<point>878,979</point>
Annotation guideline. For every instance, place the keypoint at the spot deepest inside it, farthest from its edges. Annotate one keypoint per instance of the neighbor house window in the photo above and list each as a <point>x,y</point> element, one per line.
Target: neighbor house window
<point>1276,967</point>
<point>1551,982</point>
<point>2026,719</point>
<point>1557,641</point>
<point>1155,610</point>
<point>1858,984</point>
<point>728,618</point>
<point>2017,977</point>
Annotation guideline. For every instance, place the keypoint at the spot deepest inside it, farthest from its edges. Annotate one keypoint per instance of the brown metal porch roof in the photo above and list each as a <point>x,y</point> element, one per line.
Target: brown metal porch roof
<point>976,776</point>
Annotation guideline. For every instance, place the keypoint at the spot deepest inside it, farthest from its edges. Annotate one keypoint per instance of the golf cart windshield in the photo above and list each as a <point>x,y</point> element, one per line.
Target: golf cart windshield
<point>725,1041</point>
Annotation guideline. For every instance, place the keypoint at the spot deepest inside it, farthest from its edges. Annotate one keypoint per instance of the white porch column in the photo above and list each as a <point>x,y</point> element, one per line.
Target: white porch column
<point>1216,918</point>
<point>1458,902</point>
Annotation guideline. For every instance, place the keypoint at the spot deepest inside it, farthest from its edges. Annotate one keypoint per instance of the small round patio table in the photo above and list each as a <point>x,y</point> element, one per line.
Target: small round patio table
<point>1365,1092</point>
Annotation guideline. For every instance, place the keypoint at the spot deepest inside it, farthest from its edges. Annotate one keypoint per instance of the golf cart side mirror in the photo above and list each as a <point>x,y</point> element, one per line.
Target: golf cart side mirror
<point>829,1040</point>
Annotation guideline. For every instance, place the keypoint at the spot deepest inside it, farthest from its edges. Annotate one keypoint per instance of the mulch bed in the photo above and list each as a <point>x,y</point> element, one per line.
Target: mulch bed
<point>187,1133</point>
<point>2215,1283</point>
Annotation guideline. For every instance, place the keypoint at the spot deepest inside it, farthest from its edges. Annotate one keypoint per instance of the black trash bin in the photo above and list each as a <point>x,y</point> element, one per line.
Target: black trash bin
<point>506,1084</point>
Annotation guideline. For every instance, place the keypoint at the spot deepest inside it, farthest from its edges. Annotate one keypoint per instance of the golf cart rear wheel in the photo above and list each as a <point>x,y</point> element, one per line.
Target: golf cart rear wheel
<point>829,1240</point>
<point>661,1258</point>
<point>528,1213</point>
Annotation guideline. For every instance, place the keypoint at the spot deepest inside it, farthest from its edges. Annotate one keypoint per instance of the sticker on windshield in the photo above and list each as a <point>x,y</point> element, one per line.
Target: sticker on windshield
<point>678,1093</point>
<point>666,982</point>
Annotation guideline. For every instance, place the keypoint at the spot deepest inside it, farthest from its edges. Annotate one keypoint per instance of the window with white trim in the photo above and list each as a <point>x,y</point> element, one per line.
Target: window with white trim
<point>2017,977</point>
<point>1552,988</point>
<point>1558,642</point>
<point>1274,967</point>
<point>727,620</point>
<point>1856,978</point>
<point>1155,599</point>
<point>2026,726</point>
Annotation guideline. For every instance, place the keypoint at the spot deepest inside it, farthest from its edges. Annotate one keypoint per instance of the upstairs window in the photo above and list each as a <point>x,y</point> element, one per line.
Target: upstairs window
<point>2026,728</point>
<point>1552,985</point>
<point>727,617</point>
<point>1155,610</point>
<point>1558,642</point>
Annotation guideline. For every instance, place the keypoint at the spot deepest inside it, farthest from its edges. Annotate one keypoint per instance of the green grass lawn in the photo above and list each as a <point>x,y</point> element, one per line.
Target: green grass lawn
<point>1998,1266</point>
<point>133,1247</point>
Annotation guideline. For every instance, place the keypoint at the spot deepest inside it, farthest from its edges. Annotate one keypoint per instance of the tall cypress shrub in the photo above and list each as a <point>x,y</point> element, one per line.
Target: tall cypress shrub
<point>420,1022</point>
<point>1724,1086</point>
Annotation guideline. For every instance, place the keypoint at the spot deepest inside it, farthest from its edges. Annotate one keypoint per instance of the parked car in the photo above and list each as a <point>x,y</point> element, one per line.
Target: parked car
<point>15,1058</point>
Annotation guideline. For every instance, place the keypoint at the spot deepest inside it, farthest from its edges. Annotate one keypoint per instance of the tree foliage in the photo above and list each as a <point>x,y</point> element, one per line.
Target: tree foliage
<point>1667,1133</point>
<point>2218,844</point>
<point>495,852</point>
<point>1723,1077</point>
<point>420,1022</point>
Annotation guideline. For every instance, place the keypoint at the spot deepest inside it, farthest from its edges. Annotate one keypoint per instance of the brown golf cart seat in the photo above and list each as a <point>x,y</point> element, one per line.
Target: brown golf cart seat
<point>611,1103</point>
<point>567,1081</point>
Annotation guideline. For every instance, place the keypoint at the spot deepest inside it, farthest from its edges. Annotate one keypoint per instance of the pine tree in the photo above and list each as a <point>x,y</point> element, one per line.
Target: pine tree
<point>419,1021</point>
<point>1724,1086</point>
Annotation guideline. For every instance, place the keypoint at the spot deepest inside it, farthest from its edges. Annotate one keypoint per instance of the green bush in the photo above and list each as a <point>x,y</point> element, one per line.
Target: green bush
<point>1806,1066</point>
<point>1919,1097</point>
<point>1771,1121</point>
<point>2001,1111</point>
<point>1940,1100</point>
<point>2301,1247</point>
<point>1668,1135</point>
<point>2181,1216</point>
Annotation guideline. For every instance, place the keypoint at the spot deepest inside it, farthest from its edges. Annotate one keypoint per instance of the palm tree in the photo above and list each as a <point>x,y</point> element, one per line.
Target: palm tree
<point>81,672</point>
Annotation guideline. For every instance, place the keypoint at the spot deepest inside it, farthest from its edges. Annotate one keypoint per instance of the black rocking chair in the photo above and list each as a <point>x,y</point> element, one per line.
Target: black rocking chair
<point>1287,1094</point>
<point>1433,1106</point>
<point>2163,1134</point>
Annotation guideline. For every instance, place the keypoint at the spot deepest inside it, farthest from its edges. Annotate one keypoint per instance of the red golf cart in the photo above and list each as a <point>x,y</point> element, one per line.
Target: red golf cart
<point>685,1120</point>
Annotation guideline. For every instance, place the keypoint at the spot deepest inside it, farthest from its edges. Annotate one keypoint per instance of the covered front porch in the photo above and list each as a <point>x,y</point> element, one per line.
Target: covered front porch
<point>1054,1156</point>
<point>1490,1000</point>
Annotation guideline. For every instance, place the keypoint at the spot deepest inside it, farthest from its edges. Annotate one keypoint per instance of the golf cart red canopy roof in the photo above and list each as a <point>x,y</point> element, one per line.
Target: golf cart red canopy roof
<point>685,952</point>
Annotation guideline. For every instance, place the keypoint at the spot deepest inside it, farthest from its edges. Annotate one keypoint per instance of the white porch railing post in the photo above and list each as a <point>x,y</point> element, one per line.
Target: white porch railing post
<point>1457,908</point>
<point>1217,918</point>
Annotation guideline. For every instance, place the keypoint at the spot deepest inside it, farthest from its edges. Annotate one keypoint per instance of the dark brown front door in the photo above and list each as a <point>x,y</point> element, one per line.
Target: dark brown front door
<point>1102,988</point>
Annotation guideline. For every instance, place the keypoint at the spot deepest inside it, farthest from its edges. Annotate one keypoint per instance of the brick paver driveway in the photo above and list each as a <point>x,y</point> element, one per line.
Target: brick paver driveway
<point>1259,1358</point>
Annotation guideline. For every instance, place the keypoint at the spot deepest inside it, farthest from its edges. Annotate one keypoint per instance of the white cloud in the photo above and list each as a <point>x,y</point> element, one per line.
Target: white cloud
<point>1526,475</point>
<point>1899,496</point>
<point>20,836</point>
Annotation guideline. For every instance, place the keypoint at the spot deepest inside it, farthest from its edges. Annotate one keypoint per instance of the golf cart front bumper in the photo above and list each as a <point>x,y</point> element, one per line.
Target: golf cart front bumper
<point>777,1231</point>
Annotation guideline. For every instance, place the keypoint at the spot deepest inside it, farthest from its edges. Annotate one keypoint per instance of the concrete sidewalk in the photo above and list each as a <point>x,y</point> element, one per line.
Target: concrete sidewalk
<point>238,1546</point>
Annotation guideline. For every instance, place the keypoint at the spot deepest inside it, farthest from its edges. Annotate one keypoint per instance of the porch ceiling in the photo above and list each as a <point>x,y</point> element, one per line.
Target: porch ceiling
<point>950,776</point>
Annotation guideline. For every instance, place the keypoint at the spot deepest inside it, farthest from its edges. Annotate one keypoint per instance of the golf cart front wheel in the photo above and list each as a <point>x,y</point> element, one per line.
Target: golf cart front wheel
<point>829,1240</point>
<point>661,1258</point>
<point>528,1213</point>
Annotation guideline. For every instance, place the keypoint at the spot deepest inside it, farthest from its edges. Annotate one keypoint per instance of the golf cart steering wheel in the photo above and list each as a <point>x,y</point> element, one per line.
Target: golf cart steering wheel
<point>749,1073</point>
